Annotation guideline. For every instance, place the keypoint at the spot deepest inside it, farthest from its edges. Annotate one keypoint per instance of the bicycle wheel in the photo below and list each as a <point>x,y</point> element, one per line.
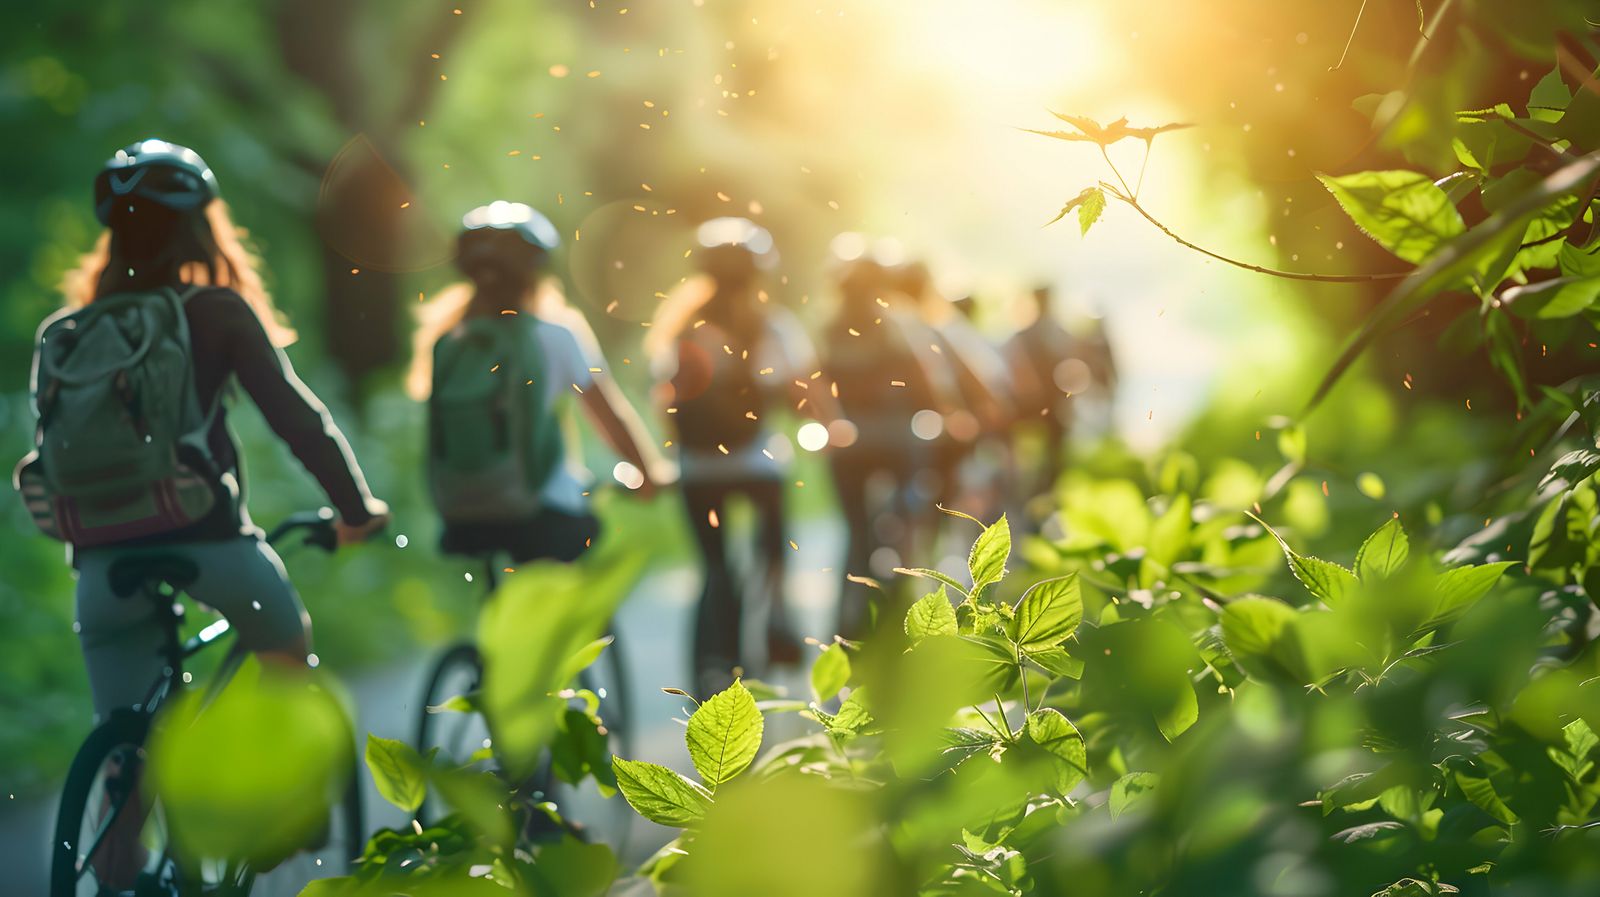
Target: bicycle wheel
<point>107,832</point>
<point>458,735</point>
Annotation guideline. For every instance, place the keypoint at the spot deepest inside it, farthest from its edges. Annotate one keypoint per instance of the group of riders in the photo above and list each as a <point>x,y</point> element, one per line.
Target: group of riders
<point>167,318</point>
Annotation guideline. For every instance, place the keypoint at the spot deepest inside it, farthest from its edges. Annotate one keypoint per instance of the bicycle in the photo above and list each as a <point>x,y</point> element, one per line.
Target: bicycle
<point>459,673</point>
<point>105,772</point>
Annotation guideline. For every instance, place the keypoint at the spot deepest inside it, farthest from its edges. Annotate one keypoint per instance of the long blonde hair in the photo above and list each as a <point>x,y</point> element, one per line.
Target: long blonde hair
<point>450,306</point>
<point>684,306</point>
<point>218,256</point>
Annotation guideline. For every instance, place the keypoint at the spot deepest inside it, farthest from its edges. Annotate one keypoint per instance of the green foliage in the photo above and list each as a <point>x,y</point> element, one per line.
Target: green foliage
<point>292,735</point>
<point>538,631</point>
<point>1047,614</point>
<point>724,734</point>
<point>659,794</point>
<point>1400,210</point>
<point>932,614</point>
<point>398,771</point>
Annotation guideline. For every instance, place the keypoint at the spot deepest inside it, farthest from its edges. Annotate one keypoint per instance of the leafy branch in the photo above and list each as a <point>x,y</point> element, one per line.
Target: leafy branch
<point>1091,202</point>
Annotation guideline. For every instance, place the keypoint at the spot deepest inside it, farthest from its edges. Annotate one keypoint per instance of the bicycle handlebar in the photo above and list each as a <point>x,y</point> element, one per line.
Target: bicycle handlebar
<point>318,527</point>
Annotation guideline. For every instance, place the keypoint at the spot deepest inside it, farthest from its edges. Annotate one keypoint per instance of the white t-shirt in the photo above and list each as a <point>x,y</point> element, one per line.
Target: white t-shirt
<point>569,362</point>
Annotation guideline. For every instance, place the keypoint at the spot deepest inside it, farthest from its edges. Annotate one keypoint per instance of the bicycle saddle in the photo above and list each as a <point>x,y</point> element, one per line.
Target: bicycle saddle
<point>131,574</point>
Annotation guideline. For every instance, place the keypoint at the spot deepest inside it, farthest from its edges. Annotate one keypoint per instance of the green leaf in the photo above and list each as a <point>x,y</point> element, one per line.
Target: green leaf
<point>1048,613</point>
<point>1571,469</point>
<point>1458,589</point>
<point>1580,738</point>
<point>1083,195</point>
<point>932,614</point>
<point>987,562</point>
<point>1383,552</point>
<point>852,719</point>
<point>540,625</point>
<point>1482,793</point>
<point>456,704</point>
<point>1416,887</point>
<point>1402,210</point>
<point>724,734</point>
<point>481,798</point>
<point>1169,535</point>
<point>1260,634</point>
<point>1131,790</point>
<point>831,670</point>
<point>964,743</point>
<point>582,658</point>
<point>1050,730</point>
<point>659,794</point>
<point>1175,718</point>
<point>1094,203</point>
<point>1325,580</point>
<point>1562,297</point>
<point>1057,662</point>
<point>580,749</point>
<point>1502,231</point>
<point>398,772</point>
<point>573,868</point>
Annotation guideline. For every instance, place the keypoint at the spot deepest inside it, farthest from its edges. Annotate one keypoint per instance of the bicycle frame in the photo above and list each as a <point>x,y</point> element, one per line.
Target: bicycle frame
<point>173,679</point>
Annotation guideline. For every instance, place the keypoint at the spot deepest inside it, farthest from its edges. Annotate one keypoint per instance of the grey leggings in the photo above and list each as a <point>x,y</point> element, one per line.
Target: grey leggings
<point>122,638</point>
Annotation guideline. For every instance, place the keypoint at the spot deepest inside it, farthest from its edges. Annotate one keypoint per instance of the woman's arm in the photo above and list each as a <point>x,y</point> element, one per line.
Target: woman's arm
<point>301,421</point>
<point>619,424</point>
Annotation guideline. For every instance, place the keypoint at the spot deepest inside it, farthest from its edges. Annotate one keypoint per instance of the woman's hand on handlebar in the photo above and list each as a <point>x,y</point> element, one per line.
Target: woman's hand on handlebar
<point>350,534</point>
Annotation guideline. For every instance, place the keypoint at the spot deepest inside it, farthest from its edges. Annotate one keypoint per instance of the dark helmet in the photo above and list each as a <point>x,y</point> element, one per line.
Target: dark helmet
<point>157,171</point>
<point>506,235</point>
<point>735,248</point>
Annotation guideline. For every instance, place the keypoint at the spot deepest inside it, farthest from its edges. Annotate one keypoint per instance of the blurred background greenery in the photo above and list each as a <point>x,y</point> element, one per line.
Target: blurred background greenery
<point>349,136</point>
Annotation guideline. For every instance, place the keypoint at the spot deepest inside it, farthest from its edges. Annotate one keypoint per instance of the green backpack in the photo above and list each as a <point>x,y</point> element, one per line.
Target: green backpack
<point>121,448</point>
<point>494,441</point>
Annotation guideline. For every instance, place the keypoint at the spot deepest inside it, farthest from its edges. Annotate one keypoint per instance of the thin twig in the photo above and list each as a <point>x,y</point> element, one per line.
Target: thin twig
<point>1352,38</point>
<point>1259,269</point>
<point>1143,164</point>
<point>1113,166</point>
<point>1022,673</point>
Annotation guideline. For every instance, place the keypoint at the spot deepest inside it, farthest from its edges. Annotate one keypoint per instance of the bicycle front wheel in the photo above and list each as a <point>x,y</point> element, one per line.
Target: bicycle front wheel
<point>108,832</point>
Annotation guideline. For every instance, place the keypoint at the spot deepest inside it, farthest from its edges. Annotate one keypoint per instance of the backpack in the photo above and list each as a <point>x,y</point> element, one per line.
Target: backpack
<point>494,441</point>
<point>716,393</point>
<point>121,446</point>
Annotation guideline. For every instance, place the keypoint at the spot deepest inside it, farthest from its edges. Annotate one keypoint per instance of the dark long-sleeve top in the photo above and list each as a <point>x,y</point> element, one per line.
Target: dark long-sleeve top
<point>230,343</point>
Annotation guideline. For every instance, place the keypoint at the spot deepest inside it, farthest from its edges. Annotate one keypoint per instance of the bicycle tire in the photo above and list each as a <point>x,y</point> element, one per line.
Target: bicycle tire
<point>459,659</point>
<point>124,729</point>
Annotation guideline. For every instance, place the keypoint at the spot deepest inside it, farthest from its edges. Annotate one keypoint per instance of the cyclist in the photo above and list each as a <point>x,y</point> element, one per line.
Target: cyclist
<point>1053,368</point>
<point>891,384</point>
<point>134,457</point>
<point>981,381</point>
<point>495,358</point>
<point>728,359</point>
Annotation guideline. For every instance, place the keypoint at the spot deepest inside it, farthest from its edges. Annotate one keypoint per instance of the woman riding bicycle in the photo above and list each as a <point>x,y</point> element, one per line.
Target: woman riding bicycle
<point>495,358</point>
<point>728,360</point>
<point>134,455</point>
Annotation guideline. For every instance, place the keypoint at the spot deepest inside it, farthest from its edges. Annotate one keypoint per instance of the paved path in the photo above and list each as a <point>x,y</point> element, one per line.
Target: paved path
<point>653,630</point>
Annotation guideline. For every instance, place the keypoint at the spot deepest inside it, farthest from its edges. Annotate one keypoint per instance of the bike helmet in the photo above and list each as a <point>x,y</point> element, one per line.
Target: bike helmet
<point>164,173</point>
<point>735,247</point>
<point>506,233</point>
